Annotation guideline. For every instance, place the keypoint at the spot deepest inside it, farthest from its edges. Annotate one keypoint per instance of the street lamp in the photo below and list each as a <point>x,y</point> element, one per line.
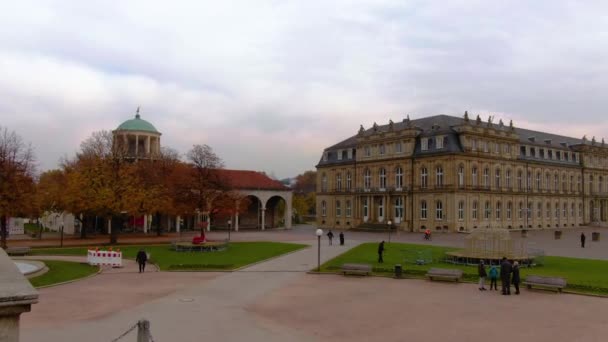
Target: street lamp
<point>229,228</point>
<point>389,230</point>
<point>319,232</point>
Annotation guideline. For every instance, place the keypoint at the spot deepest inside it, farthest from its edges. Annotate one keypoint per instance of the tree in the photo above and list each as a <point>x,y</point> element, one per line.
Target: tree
<point>16,179</point>
<point>304,194</point>
<point>306,182</point>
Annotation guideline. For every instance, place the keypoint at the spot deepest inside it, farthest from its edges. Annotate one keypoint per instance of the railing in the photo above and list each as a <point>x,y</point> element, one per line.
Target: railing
<point>143,332</point>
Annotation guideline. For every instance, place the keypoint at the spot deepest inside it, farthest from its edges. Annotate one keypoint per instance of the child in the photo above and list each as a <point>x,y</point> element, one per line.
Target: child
<point>493,277</point>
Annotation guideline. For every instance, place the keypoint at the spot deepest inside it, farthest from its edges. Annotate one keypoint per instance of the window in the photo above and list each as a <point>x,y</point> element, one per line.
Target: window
<point>497,148</point>
<point>365,208</point>
<point>323,208</point>
<point>522,151</point>
<point>382,178</point>
<point>538,182</point>
<point>498,208</point>
<point>325,155</point>
<point>382,149</point>
<point>539,210</point>
<point>497,179</point>
<point>423,210</point>
<point>398,147</point>
<point>508,179</point>
<point>461,210</point>
<point>424,144</point>
<point>520,185</point>
<point>521,210</point>
<point>349,181</point>
<point>578,184</point>
<point>556,210</point>
<point>548,181</point>
<point>571,183</point>
<point>323,182</point>
<point>550,154</point>
<point>367,179</point>
<point>474,211</point>
<point>367,151</point>
<point>565,210</point>
<point>541,153</point>
<point>399,178</point>
<point>580,210</point>
<point>556,182</point>
<point>474,176</point>
<point>349,208</point>
<point>424,180</point>
<point>485,146</point>
<point>339,182</point>
<point>486,178</point>
<point>529,210</point>
<point>399,207</point>
<point>338,209</point>
<point>474,144</point>
<point>548,211</point>
<point>509,210</point>
<point>461,176</point>
<point>439,210</point>
<point>506,148</point>
<point>439,142</point>
<point>532,152</point>
<point>488,211</point>
<point>349,153</point>
<point>528,180</point>
<point>565,184</point>
<point>439,176</point>
<point>558,155</point>
<point>339,154</point>
<point>572,210</point>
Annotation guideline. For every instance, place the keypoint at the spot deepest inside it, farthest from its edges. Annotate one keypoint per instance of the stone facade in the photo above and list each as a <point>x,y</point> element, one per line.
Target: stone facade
<point>457,174</point>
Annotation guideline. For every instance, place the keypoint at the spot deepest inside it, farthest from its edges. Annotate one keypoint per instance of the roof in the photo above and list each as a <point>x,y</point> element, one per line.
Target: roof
<point>251,180</point>
<point>137,124</point>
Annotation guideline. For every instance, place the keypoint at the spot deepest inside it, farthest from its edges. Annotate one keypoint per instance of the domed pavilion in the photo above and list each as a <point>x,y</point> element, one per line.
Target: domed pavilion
<point>138,137</point>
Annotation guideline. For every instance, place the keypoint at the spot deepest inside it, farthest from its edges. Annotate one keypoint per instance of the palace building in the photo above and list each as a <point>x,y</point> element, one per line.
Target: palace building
<point>454,174</point>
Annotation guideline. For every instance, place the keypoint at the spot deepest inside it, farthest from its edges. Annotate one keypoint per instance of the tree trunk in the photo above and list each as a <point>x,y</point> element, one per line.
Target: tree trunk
<point>113,231</point>
<point>158,223</point>
<point>83,226</point>
<point>3,231</point>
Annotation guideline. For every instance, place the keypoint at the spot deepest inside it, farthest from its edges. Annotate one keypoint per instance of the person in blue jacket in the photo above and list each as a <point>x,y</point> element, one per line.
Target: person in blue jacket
<point>493,277</point>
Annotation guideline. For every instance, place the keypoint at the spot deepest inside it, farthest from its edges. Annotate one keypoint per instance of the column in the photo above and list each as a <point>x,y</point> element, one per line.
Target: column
<point>146,224</point>
<point>136,145</point>
<point>109,226</point>
<point>263,212</point>
<point>178,223</point>
<point>168,223</point>
<point>236,217</point>
<point>288,212</point>
<point>125,143</point>
<point>148,145</point>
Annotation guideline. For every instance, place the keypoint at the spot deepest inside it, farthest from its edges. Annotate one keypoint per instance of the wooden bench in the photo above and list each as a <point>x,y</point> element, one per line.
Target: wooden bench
<point>546,282</point>
<point>444,273</point>
<point>17,250</point>
<point>362,269</point>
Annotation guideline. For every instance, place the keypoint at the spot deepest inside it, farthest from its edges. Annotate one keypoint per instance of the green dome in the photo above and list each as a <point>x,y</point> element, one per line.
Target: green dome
<point>137,124</point>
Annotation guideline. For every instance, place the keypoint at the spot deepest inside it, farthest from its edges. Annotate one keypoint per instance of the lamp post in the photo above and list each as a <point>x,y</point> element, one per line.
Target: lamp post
<point>389,230</point>
<point>229,228</point>
<point>319,232</point>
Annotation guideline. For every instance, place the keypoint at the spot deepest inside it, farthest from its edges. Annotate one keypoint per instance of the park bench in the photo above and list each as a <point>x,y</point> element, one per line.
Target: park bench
<point>444,273</point>
<point>17,250</point>
<point>546,282</point>
<point>363,269</point>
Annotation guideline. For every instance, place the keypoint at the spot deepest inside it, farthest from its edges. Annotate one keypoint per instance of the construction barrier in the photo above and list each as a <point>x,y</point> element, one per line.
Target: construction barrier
<point>97,257</point>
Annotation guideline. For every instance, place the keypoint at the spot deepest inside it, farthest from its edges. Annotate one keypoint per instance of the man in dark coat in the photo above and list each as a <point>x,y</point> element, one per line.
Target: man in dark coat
<point>481,269</point>
<point>380,251</point>
<point>583,238</point>
<point>505,276</point>
<point>341,238</point>
<point>141,259</point>
<point>330,235</point>
<point>515,278</point>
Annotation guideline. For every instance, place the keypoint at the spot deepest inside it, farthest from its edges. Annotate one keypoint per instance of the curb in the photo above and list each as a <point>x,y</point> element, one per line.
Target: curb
<point>99,270</point>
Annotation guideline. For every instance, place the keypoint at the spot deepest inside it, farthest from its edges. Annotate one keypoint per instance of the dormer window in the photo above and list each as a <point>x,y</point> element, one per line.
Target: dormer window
<point>550,154</point>
<point>382,149</point>
<point>440,142</point>
<point>532,139</point>
<point>349,153</point>
<point>339,154</point>
<point>548,141</point>
<point>424,144</point>
<point>325,156</point>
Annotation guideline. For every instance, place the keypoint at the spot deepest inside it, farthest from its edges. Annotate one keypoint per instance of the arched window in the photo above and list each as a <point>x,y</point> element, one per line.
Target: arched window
<point>323,208</point>
<point>474,176</point>
<point>439,210</point>
<point>349,181</point>
<point>508,174</point>
<point>399,178</point>
<point>399,208</point>
<point>439,176</point>
<point>497,179</point>
<point>521,210</point>
<point>365,207</point>
<point>338,209</point>
<point>461,210</point>
<point>367,179</point>
<point>556,182</point>
<point>424,177</point>
<point>423,209</point>
<point>486,178</point>
<point>509,210</point>
<point>382,178</point>
<point>474,210</point>
<point>349,208</point>
<point>323,182</point>
<point>488,211</point>
<point>548,210</point>
<point>461,176</point>
<point>520,184</point>
<point>339,181</point>
<point>539,186</point>
<point>498,208</point>
<point>548,181</point>
<point>539,210</point>
<point>564,184</point>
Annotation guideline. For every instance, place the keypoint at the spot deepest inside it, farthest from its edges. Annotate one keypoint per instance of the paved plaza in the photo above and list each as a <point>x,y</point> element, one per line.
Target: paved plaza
<point>277,300</point>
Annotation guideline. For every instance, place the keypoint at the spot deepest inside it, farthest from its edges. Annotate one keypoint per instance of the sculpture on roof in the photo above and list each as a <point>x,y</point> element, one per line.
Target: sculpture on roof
<point>602,142</point>
<point>584,139</point>
<point>375,127</point>
<point>511,125</point>
<point>490,118</point>
<point>390,124</point>
<point>478,120</point>
<point>361,130</point>
<point>466,116</point>
<point>501,124</point>
<point>593,140</point>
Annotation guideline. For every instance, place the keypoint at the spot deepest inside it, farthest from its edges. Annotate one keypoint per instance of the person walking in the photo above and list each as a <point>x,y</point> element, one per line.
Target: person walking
<point>341,238</point>
<point>330,235</point>
<point>141,259</point>
<point>481,269</point>
<point>380,252</point>
<point>583,238</point>
<point>505,276</point>
<point>493,277</point>
<point>515,278</point>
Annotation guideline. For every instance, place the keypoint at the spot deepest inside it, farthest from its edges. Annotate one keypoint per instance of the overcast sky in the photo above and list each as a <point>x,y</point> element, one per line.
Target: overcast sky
<point>269,84</point>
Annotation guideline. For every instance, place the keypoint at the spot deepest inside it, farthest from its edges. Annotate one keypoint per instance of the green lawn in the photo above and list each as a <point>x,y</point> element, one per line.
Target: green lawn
<point>583,275</point>
<point>62,271</point>
<point>238,254</point>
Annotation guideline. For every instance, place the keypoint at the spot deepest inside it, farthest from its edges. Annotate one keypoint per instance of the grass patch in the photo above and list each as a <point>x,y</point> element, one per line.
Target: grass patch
<point>62,271</point>
<point>238,254</point>
<point>582,275</point>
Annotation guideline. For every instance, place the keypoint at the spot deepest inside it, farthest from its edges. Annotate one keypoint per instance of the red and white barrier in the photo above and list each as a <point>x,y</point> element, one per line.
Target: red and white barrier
<point>97,257</point>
